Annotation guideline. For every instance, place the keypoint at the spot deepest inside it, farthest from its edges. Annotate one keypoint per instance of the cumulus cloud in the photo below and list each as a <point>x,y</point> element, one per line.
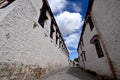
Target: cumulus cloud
<point>72,40</point>
<point>57,5</point>
<point>76,7</point>
<point>72,51</point>
<point>69,22</point>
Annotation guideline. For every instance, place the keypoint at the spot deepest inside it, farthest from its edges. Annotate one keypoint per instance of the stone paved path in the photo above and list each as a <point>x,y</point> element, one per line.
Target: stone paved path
<point>72,73</point>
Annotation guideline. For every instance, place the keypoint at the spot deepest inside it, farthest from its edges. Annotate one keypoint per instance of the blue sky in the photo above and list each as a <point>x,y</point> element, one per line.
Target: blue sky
<point>69,15</point>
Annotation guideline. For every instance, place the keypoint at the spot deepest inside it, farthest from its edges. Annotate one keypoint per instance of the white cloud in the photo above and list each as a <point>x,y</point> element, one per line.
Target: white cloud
<point>69,22</point>
<point>72,51</point>
<point>76,7</point>
<point>72,40</point>
<point>57,5</point>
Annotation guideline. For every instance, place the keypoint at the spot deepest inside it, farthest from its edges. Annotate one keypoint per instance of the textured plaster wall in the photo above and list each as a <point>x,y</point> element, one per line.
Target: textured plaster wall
<point>93,63</point>
<point>26,50</point>
<point>106,14</point>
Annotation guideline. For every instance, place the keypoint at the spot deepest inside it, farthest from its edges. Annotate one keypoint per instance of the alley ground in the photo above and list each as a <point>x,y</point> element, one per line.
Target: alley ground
<point>72,73</point>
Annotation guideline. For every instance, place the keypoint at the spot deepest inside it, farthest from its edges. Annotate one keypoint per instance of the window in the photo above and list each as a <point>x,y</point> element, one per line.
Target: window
<point>60,42</point>
<point>51,30</point>
<point>62,46</point>
<point>57,38</point>
<point>82,57</point>
<point>43,16</point>
<point>79,58</point>
<point>83,52</point>
<point>4,3</point>
<point>91,23</point>
<point>98,48</point>
<point>82,43</point>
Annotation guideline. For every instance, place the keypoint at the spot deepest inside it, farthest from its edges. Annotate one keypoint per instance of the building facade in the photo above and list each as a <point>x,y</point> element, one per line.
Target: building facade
<point>99,44</point>
<point>30,40</point>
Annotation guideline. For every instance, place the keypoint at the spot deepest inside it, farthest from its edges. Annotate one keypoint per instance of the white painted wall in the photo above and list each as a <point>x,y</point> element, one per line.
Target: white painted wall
<point>25,46</point>
<point>93,63</point>
<point>107,19</point>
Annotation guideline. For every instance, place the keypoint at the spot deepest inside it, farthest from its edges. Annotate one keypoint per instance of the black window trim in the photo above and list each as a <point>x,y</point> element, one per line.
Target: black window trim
<point>98,48</point>
<point>90,23</point>
<point>52,29</point>
<point>43,17</point>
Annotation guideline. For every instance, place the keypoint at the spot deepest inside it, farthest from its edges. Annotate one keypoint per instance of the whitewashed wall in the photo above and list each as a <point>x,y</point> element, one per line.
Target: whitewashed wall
<point>26,51</point>
<point>93,63</point>
<point>106,19</point>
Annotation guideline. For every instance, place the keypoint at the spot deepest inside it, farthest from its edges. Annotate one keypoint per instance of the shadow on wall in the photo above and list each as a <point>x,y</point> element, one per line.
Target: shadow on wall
<point>80,74</point>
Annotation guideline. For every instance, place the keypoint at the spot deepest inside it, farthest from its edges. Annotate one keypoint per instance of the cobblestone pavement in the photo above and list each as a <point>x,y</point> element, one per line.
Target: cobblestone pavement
<point>72,73</point>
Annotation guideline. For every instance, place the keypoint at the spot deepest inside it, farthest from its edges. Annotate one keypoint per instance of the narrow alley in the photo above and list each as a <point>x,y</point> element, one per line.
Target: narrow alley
<point>71,73</point>
<point>59,39</point>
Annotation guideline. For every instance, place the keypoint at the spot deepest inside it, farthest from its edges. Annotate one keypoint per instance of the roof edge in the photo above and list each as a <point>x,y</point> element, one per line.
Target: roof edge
<point>84,25</point>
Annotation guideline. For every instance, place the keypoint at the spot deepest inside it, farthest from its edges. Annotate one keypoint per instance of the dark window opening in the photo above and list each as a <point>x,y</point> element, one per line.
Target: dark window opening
<point>84,55</point>
<point>51,30</point>
<point>91,23</point>
<point>98,48</point>
<point>60,44</point>
<point>57,38</point>
<point>82,43</point>
<point>43,15</point>
<point>5,3</point>
<point>79,58</point>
